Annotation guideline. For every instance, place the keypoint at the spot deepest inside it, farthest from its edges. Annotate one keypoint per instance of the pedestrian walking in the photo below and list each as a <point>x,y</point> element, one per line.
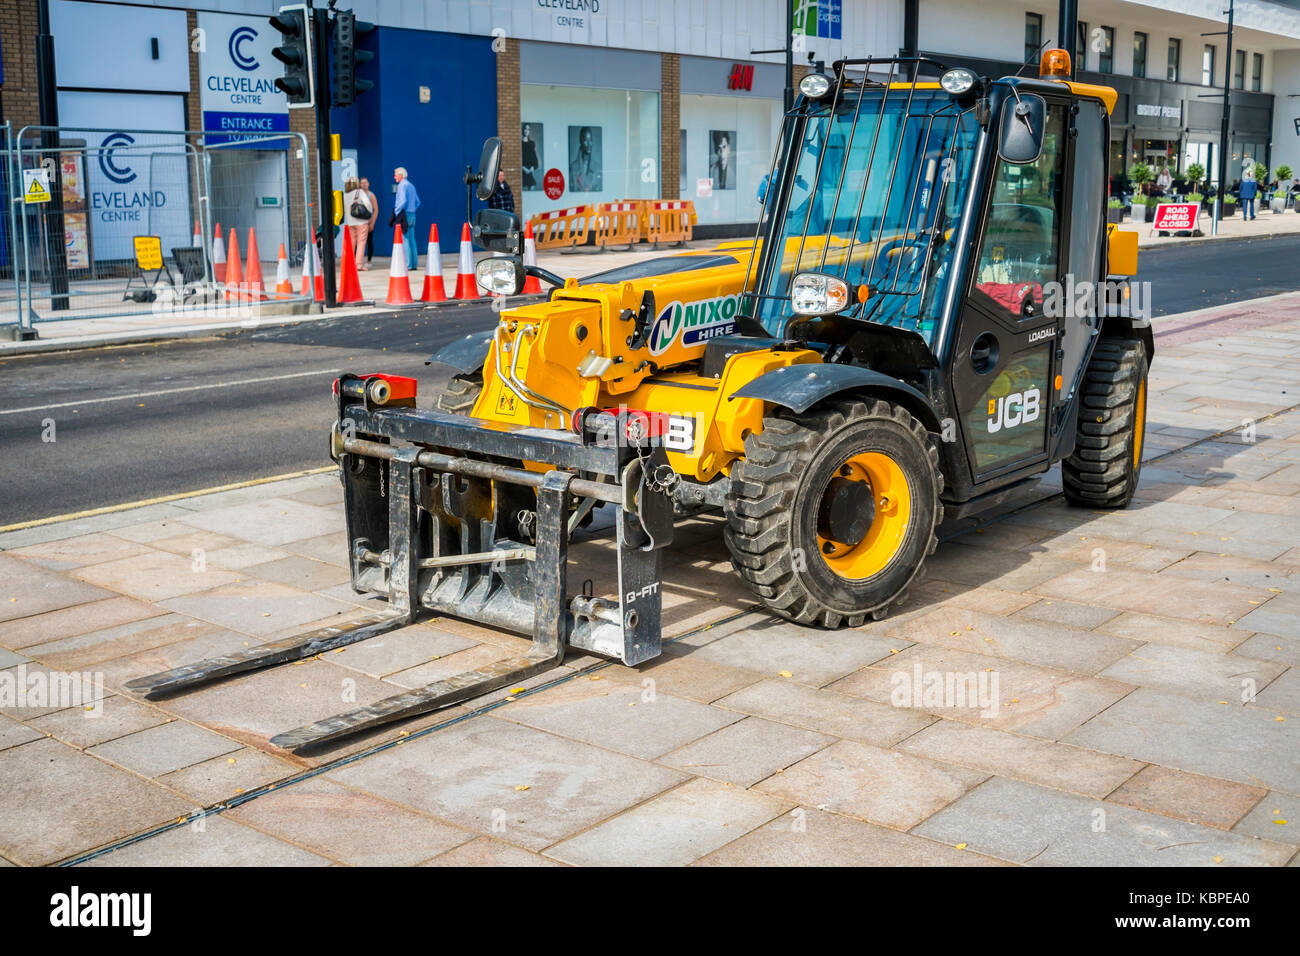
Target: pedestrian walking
<point>370,236</point>
<point>502,197</point>
<point>358,216</point>
<point>407,202</point>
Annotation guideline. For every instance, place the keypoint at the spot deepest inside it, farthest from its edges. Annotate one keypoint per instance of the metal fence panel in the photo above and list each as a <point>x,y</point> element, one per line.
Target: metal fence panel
<point>119,185</point>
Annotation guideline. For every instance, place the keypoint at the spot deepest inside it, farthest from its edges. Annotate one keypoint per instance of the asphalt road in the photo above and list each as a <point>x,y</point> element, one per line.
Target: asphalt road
<point>137,422</point>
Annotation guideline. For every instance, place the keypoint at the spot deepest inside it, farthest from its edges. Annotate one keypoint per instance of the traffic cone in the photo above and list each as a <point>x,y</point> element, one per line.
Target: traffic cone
<point>399,279</point>
<point>283,287</point>
<point>320,276</point>
<point>255,289</point>
<point>466,286</point>
<point>233,272</point>
<point>197,241</point>
<point>434,290</point>
<point>349,281</point>
<point>218,257</point>
<point>531,285</point>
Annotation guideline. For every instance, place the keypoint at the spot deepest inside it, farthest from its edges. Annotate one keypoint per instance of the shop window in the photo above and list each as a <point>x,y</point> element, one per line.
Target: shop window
<point>1257,71</point>
<point>1033,36</point>
<point>1022,240</point>
<point>1139,54</point>
<point>603,143</point>
<point>1207,65</point>
<point>1172,70</point>
<point>1239,69</point>
<point>1081,46</point>
<point>726,152</point>
<point>1106,49</point>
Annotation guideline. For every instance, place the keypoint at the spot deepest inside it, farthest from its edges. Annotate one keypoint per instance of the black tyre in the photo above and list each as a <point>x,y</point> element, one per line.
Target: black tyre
<point>460,394</point>
<point>1104,468</point>
<point>831,513</point>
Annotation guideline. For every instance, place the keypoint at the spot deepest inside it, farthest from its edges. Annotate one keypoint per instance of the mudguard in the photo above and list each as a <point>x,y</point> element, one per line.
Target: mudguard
<point>800,387</point>
<point>467,354</point>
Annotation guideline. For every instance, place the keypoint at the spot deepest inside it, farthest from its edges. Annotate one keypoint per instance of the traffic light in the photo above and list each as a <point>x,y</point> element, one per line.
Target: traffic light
<point>298,82</point>
<point>347,31</point>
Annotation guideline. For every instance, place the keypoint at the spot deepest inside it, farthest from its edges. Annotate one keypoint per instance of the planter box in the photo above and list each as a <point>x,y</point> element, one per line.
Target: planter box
<point>1138,213</point>
<point>1277,205</point>
<point>1115,215</point>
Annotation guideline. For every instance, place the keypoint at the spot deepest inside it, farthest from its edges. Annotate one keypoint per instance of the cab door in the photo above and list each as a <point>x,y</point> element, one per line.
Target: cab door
<point>1005,361</point>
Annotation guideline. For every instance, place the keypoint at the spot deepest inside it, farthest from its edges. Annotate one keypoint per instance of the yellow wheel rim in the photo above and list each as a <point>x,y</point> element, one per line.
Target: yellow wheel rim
<point>893,511</point>
<point>1140,423</point>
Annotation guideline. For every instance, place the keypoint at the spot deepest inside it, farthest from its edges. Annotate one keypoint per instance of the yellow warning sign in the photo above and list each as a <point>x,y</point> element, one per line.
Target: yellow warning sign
<point>36,186</point>
<point>148,252</point>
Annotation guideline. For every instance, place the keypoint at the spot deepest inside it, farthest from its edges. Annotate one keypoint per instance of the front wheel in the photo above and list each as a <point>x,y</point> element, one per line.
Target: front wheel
<point>831,513</point>
<point>1103,470</point>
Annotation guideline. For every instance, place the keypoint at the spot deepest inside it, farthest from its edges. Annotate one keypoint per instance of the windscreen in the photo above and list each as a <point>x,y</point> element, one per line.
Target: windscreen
<point>878,187</point>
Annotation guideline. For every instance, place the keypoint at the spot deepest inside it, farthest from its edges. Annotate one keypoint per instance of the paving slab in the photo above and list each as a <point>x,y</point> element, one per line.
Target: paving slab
<point>87,650</point>
<point>73,621</point>
<point>297,571</point>
<point>1085,652</point>
<point>1198,674</point>
<point>229,775</point>
<point>682,673</point>
<point>770,646</point>
<point>674,829</point>
<point>219,842</point>
<point>828,711</point>
<point>58,801</point>
<point>270,521</point>
<point>1205,602</point>
<point>26,589</point>
<point>155,576</point>
<point>1024,758</point>
<point>1280,616</point>
<point>348,826</point>
<point>13,733</point>
<point>401,649</point>
<point>31,690</point>
<point>1188,796</point>
<point>745,752</point>
<point>808,837</point>
<point>505,780</point>
<point>1282,696</point>
<point>880,786</point>
<point>1148,628</point>
<point>117,716</point>
<point>1039,701</point>
<point>1238,743</point>
<point>9,658</point>
<point>259,608</point>
<point>1083,617</point>
<point>1023,823</point>
<point>618,717</point>
<point>1271,647</point>
<point>162,749</point>
<point>80,551</point>
<point>1276,817</point>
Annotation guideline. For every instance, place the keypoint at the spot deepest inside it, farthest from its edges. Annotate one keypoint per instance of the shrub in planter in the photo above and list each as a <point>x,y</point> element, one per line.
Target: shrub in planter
<point>1195,175</point>
<point>1114,210</point>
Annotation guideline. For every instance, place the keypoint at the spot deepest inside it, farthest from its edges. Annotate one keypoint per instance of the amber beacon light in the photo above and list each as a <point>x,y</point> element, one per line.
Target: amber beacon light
<point>1055,63</point>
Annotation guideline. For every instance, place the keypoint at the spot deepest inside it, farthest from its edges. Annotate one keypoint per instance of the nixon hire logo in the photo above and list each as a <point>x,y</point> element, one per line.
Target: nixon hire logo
<point>238,37</point>
<point>693,323</point>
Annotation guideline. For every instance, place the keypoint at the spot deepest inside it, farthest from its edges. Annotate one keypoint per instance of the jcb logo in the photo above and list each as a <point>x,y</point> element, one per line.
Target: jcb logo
<point>1018,408</point>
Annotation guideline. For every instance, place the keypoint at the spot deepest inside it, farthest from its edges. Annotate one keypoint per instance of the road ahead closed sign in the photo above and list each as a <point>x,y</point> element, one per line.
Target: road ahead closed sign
<point>1175,216</point>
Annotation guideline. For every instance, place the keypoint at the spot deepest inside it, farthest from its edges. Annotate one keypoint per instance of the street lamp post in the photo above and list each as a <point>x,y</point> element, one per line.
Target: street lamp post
<point>1225,132</point>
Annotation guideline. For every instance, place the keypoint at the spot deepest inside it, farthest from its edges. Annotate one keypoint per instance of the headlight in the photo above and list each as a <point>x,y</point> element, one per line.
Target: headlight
<point>815,85</point>
<point>500,275</point>
<point>957,80</point>
<point>812,293</point>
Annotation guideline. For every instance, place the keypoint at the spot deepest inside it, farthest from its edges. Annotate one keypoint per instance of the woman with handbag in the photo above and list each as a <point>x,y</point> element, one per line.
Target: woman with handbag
<point>359,217</point>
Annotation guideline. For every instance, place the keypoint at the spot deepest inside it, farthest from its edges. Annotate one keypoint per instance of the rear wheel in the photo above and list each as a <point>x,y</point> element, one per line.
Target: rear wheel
<point>831,513</point>
<point>460,394</point>
<point>1103,470</point>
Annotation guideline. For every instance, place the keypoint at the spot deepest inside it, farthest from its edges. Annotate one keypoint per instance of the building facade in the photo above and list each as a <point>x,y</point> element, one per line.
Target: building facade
<point>610,99</point>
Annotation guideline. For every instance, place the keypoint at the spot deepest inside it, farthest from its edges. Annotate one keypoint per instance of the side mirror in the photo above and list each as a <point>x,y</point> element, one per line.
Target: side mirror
<point>499,231</point>
<point>489,163</point>
<point>1020,134</point>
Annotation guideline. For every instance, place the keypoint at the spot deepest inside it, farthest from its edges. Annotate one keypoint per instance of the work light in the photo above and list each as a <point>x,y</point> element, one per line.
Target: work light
<point>812,293</point>
<point>815,86</point>
<point>500,275</point>
<point>957,80</point>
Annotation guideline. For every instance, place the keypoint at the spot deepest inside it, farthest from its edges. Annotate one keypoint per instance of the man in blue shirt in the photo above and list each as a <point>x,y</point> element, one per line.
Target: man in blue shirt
<point>408,201</point>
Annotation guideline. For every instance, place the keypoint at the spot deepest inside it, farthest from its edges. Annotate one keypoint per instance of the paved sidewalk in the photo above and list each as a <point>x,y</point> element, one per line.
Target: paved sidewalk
<point>1141,672</point>
<point>1265,225</point>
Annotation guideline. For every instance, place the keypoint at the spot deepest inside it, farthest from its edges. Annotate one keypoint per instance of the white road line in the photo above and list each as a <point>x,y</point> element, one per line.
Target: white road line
<point>166,391</point>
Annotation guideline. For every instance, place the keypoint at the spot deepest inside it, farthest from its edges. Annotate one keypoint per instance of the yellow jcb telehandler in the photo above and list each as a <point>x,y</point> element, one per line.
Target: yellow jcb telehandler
<point>933,311</point>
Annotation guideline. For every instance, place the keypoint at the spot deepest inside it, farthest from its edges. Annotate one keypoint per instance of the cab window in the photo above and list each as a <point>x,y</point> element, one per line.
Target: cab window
<point>1021,248</point>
